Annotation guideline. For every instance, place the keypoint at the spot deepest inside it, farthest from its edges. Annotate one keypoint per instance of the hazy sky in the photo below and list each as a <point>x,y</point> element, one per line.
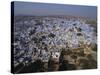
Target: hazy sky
<point>42,9</point>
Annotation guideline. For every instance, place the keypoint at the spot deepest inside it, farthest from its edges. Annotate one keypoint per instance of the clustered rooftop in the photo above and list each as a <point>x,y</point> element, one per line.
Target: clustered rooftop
<point>45,37</point>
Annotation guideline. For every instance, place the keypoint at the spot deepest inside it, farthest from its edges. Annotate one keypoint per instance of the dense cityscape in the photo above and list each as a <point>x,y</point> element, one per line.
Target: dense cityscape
<point>54,43</point>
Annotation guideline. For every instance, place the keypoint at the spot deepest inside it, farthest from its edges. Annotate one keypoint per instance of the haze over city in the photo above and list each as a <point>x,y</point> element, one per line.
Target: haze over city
<point>46,9</point>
